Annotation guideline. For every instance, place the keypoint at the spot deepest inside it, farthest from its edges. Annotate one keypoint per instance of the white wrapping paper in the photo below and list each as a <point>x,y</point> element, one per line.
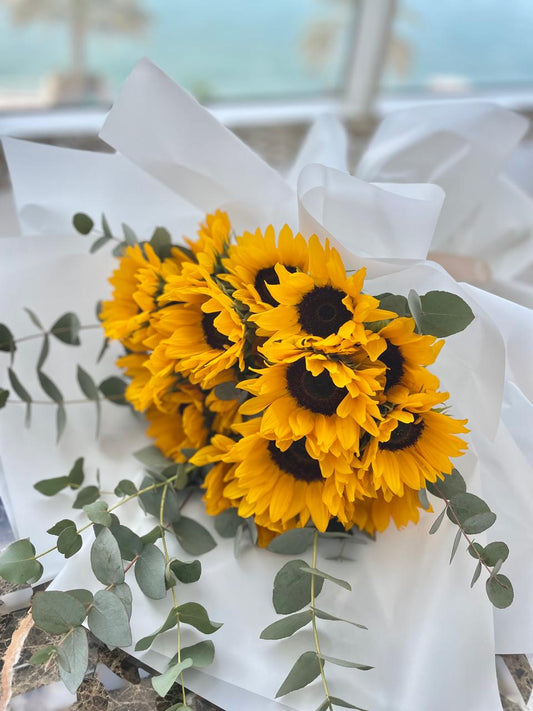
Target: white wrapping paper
<point>430,636</point>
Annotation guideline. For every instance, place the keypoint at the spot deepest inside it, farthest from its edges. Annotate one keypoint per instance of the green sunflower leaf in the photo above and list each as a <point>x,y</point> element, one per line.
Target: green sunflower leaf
<point>304,671</point>
<point>287,626</point>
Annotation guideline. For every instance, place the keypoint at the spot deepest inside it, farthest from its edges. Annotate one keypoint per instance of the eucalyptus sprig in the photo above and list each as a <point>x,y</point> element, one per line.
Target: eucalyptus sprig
<point>297,585</point>
<point>472,515</point>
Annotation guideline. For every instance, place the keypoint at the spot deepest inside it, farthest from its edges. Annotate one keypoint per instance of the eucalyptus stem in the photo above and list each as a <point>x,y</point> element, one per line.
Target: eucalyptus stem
<point>313,622</point>
<point>50,332</point>
<point>152,487</point>
<point>173,587</point>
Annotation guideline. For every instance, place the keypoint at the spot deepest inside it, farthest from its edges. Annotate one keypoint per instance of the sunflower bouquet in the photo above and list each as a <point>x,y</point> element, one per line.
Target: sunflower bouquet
<point>291,393</point>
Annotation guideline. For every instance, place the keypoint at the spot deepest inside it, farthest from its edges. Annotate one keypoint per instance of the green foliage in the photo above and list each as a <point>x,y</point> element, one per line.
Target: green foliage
<point>7,340</point>
<point>91,392</point>
<point>129,543</point>
<point>34,319</point>
<point>21,391</point>
<point>150,572</point>
<point>67,329</point>
<point>186,572</point>
<point>86,496</point>
<point>227,523</point>
<point>45,350</point>
<point>326,704</point>
<point>345,663</point>
<point>192,613</point>
<point>129,235</point>
<point>125,487</point>
<point>201,653</point>
<point>43,655</point>
<point>4,395</point>
<point>73,658</point>
<point>49,387</point>
<point>287,626</point>
<point>393,302</point>
<point>106,560</point>
<point>123,592</point>
<point>325,576</point>
<point>108,619</point>
<point>168,624</point>
<point>82,223</point>
<point>163,682</point>
<point>500,590</point>
<point>76,474</point>
<point>57,612</point>
<point>51,487</point>
<point>97,513</point>
<point>304,671</point>
<point>292,587</point>
<point>18,564</point>
<point>69,542</point>
<point>194,538</point>
<point>328,616</point>
<point>472,513</point>
<point>160,241</point>
<point>439,313</point>
<point>151,501</point>
<point>113,389</point>
<point>292,542</point>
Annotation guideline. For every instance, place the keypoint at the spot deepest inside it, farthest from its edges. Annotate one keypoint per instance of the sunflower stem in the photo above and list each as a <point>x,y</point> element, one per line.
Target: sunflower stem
<point>313,622</point>
<point>173,587</point>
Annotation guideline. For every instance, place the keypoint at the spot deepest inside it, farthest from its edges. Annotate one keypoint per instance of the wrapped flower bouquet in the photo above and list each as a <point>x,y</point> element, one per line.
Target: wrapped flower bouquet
<point>307,411</point>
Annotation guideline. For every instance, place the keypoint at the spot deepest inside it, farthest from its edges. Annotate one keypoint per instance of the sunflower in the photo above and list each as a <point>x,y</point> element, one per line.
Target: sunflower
<point>311,396</point>
<point>281,489</point>
<point>251,264</point>
<point>173,432</point>
<point>407,354</point>
<point>375,514</point>
<point>199,333</point>
<point>324,305</point>
<point>137,285</point>
<point>218,476</point>
<point>213,241</point>
<point>415,443</point>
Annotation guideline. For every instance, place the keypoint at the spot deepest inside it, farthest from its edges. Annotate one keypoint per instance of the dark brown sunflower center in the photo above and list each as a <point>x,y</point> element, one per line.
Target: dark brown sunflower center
<point>405,435</point>
<point>213,337</point>
<point>295,461</point>
<point>266,276</point>
<point>321,311</point>
<point>316,393</point>
<point>394,360</point>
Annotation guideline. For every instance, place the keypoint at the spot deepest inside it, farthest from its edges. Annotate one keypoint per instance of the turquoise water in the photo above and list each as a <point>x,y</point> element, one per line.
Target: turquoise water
<point>219,48</point>
<point>235,48</point>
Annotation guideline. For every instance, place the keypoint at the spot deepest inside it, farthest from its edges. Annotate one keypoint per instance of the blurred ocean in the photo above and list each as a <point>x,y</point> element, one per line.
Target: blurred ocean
<point>234,48</point>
